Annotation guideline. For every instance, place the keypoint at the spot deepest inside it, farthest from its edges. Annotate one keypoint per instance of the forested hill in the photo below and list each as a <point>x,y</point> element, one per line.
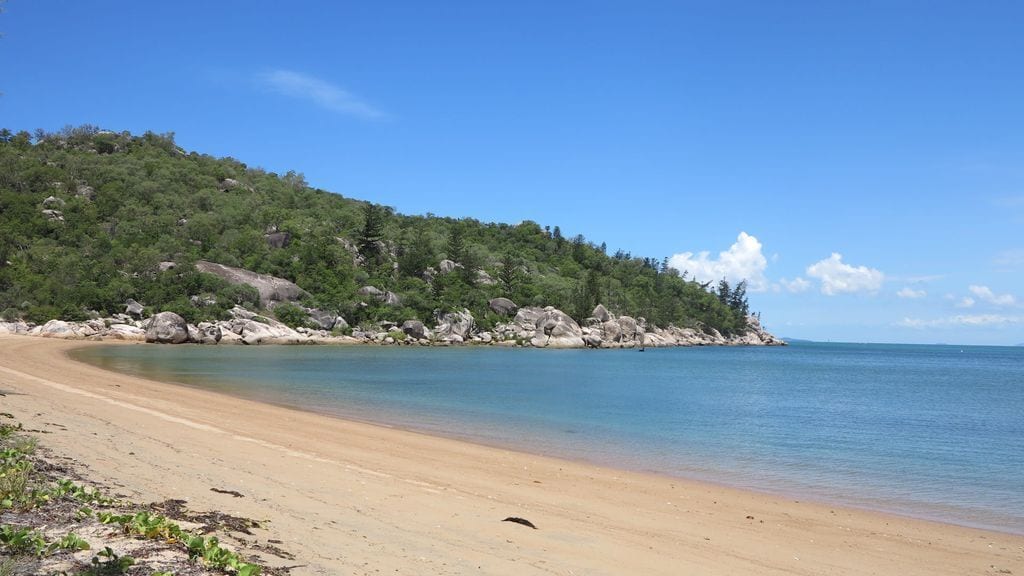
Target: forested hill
<point>90,218</point>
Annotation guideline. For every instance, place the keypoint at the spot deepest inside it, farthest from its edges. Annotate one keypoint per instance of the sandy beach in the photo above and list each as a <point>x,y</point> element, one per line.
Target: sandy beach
<point>353,498</point>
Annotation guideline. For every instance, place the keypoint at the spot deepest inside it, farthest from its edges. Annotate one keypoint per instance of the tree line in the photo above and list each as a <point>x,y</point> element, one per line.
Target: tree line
<point>87,216</point>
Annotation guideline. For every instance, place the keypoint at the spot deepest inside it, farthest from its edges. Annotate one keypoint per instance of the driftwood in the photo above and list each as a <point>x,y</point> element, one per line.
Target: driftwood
<point>522,521</point>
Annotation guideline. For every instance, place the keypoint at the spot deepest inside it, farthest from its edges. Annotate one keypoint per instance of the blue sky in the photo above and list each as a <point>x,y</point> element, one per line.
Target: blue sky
<point>862,163</point>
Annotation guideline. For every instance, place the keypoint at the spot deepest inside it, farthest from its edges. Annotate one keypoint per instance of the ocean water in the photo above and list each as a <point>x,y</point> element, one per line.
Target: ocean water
<point>928,431</point>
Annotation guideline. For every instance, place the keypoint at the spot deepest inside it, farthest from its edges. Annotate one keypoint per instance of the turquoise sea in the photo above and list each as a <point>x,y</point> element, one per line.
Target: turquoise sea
<point>929,431</point>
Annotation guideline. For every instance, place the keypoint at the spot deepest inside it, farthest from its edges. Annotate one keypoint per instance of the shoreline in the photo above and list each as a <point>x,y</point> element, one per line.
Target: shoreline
<point>607,453</point>
<point>357,496</point>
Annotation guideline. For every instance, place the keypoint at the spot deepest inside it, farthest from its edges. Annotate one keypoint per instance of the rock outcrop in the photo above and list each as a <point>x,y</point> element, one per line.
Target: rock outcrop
<point>209,333</point>
<point>556,329</point>
<point>531,326</point>
<point>278,239</point>
<point>125,332</point>
<point>62,329</point>
<point>502,306</point>
<point>133,308</point>
<point>326,320</point>
<point>455,326</point>
<point>270,288</point>
<point>167,328</point>
<point>20,328</point>
<point>387,297</point>
<point>416,329</point>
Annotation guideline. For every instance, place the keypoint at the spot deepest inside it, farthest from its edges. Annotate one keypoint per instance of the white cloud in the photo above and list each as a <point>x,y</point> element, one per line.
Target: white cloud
<point>921,279</point>
<point>909,292</point>
<point>985,294</point>
<point>962,320</point>
<point>742,261</point>
<point>321,93</point>
<point>796,285</point>
<point>837,277</point>
<point>965,302</point>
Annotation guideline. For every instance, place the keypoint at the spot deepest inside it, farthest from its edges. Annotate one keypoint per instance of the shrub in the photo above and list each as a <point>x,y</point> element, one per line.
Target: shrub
<point>291,315</point>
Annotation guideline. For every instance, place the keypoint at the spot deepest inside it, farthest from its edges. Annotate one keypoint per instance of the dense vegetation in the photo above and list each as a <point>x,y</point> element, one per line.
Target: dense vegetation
<point>122,204</point>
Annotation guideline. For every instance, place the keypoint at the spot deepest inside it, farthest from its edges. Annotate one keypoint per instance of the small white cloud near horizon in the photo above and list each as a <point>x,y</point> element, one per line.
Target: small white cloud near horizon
<point>985,294</point>
<point>965,302</point>
<point>838,277</point>
<point>908,292</point>
<point>319,92</point>
<point>796,285</point>
<point>742,261</point>
<point>962,320</point>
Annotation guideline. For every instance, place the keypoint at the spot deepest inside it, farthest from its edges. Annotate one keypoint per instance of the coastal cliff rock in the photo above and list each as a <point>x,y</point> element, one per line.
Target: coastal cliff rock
<point>628,329</point>
<point>262,332</point>
<point>455,326</point>
<point>125,332</point>
<point>167,328</point>
<point>762,335</point>
<point>522,328</point>
<point>14,328</point>
<point>531,326</point>
<point>326,320</point>
<point>209,333</point>
<point>556,329</point>
<point>270,288</point>
<point>65,330</point>
<point>612,331</point>
<point>416,329</point>
<point>251,328</point>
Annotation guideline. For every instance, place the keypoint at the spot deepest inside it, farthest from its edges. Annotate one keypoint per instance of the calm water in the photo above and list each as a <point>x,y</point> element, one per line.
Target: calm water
<point>931,431</point>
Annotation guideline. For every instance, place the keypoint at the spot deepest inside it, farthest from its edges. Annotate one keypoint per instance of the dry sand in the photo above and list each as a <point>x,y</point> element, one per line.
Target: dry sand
<point>353,498</point>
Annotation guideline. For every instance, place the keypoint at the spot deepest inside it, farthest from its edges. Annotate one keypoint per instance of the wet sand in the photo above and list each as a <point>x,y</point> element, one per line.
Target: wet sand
<point>355,498</point>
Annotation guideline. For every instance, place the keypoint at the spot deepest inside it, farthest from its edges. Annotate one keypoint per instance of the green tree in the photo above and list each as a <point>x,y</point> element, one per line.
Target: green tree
<point>371,237</point>
<point>456,248</point>
<point>508,274</point>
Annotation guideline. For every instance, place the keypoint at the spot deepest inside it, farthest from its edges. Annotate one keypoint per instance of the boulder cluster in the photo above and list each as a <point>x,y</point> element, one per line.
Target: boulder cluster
<point>521,326</point>
<point>527,326</point>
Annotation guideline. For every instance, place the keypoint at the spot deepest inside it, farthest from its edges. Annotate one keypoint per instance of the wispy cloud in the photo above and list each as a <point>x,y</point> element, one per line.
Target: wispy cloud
<point>920,279</point>
<point>986,294</point>
<point>796,285</point>
<point>965,302</point>
<point>962,320</point>
<point>319,92</point>
<point>909,292</point>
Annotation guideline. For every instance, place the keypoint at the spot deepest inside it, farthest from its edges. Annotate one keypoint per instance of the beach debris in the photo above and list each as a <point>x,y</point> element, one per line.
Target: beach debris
<point>234,493</point>
<point>518,520</point>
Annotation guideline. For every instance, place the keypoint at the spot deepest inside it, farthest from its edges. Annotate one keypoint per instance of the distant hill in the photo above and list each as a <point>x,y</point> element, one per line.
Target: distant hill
<point>797,341</point>
<point>91,218</point>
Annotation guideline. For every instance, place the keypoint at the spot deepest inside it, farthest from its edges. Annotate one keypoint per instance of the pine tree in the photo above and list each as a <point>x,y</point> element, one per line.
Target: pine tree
<point>371,237</point>
<point>508,275</point>
<point>456,249</point>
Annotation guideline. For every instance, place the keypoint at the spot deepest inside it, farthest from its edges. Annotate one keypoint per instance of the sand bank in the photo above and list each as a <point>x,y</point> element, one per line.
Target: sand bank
<point>354,498</point>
